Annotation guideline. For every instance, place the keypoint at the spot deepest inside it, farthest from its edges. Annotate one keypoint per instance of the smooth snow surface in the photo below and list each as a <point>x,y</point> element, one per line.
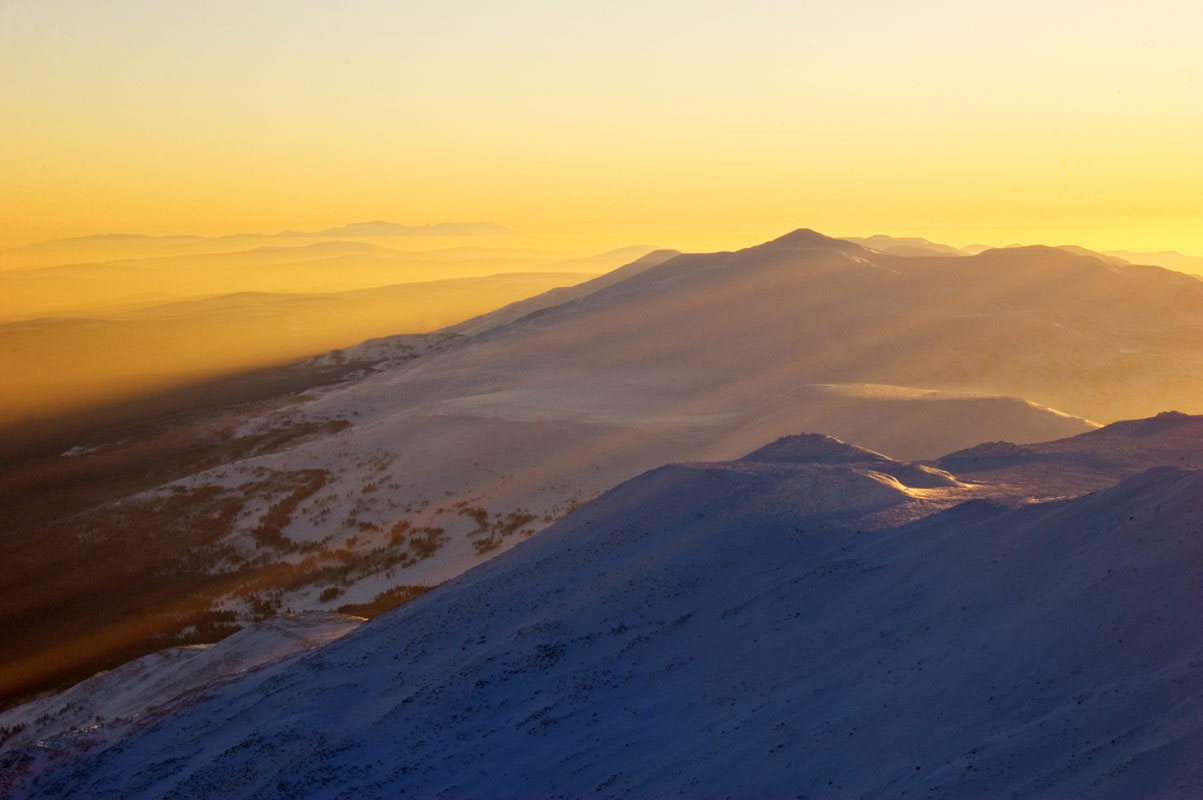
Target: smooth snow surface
<point>801,623</point>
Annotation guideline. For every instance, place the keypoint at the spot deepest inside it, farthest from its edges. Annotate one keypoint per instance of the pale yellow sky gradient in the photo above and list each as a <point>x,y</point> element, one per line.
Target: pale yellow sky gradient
<point>686,124</point>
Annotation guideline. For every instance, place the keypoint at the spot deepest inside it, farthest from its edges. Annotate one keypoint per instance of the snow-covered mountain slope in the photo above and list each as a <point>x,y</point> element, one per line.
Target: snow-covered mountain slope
<point>479,471</point>
<point>1036,323</point>
<point>909,246</point>
<point>558,296</point>
<point>903,422</point>
<point>1086,462</point>
<point>159,678</point>
<point>804,622</point>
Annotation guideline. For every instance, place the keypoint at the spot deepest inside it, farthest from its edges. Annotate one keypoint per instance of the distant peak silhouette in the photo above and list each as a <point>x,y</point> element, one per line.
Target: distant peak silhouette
<point>807,239</point>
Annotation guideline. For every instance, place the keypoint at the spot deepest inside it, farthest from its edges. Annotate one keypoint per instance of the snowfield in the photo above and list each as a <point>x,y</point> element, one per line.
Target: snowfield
<point>815,620</point>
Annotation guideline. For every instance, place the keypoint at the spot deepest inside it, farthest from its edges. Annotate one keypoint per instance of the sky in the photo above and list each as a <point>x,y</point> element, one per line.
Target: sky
<point>683,123</point>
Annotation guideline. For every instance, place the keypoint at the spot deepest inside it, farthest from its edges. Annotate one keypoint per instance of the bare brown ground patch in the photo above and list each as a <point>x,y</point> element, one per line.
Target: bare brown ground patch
<point>95,572</point>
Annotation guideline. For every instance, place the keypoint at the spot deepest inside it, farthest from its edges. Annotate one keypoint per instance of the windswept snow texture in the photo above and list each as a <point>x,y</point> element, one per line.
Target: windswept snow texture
<point>805,622</point>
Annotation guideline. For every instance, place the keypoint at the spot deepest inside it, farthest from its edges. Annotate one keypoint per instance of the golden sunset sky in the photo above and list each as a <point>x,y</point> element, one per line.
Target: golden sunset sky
<point>683,123</point>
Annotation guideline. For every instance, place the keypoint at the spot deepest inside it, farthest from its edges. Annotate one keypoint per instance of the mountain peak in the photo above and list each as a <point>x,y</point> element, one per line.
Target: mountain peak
<point>1164,421</point>
<point>815,448</point>
<point>805,238</point>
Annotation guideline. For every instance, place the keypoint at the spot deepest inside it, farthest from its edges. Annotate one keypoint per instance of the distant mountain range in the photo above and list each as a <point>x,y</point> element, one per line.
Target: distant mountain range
<point>110,246</point>
<point>381,228</point>
<point>915,246</point>
<point>351,230</point>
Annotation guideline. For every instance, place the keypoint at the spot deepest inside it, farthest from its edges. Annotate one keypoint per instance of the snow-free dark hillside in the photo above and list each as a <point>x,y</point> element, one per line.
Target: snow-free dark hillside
<point>804,622</point>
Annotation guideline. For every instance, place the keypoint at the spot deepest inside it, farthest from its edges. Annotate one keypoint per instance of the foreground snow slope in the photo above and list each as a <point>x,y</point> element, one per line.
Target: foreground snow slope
<point>804,622</point>
<point>153,680</point>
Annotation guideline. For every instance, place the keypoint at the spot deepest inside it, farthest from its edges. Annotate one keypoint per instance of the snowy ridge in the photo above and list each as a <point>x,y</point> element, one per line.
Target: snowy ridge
<point>559,296</point>
<point>384,352</point>
<point>816,448</point>
<point>1085,462</point>
<point>733,629</point>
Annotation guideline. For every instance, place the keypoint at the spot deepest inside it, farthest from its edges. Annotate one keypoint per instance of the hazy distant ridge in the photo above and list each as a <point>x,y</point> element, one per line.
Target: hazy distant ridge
<point>370,229</point>
<point>913,246</point>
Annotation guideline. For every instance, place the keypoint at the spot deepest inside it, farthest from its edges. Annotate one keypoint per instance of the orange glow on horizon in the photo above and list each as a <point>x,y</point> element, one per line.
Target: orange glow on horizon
<point>665,122</point>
